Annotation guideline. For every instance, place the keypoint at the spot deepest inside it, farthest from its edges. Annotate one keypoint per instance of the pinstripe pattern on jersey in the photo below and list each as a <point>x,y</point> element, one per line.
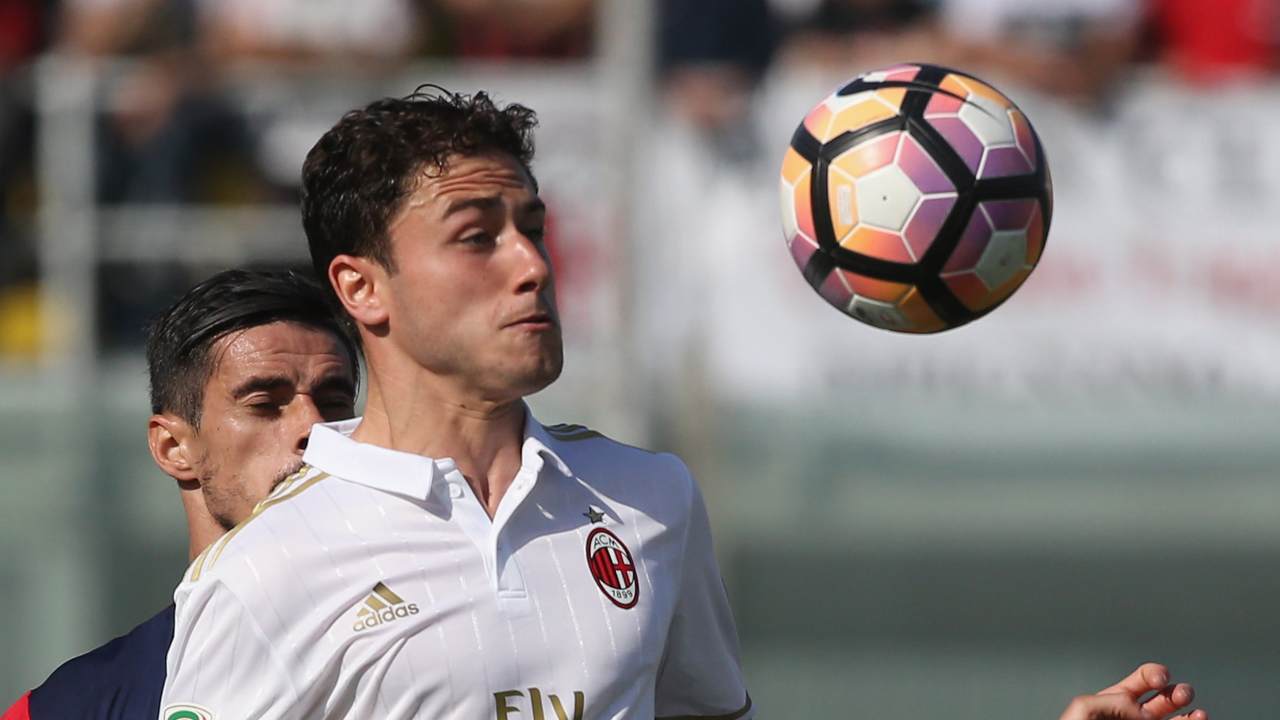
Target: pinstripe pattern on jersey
<point>731,716</point>
<point>281,494</point>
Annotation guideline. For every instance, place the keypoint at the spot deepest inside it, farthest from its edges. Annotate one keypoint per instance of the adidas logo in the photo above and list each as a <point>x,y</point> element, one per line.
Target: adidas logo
<point>382,606</point>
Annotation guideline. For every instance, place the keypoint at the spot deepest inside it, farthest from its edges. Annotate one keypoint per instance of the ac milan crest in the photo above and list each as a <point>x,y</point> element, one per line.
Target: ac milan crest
<point>613,568</point>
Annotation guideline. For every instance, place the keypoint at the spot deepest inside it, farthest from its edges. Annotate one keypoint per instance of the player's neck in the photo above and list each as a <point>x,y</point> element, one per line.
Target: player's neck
<point>483,438</point>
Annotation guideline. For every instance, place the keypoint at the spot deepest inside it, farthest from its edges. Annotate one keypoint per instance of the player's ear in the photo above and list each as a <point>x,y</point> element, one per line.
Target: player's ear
<point>171,440</point>
<point>358,281</point>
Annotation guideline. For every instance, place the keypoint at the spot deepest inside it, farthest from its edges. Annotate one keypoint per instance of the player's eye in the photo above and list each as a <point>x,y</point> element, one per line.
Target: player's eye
<point>265,407</point>
<point>265,402</point>
<point>478,239</point>
<point>536,234</point>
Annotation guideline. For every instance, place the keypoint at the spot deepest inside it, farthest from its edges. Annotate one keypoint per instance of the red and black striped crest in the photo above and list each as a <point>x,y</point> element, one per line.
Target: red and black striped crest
<point>613,568</point>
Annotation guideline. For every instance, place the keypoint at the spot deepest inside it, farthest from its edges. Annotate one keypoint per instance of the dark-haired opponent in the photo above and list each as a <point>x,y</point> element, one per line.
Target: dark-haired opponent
<point>241,367</point>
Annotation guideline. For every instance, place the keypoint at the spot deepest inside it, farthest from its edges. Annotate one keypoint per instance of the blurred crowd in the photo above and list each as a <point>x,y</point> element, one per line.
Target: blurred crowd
<point>167,131</point>
<point>169,134</point>
<point>714,52</point>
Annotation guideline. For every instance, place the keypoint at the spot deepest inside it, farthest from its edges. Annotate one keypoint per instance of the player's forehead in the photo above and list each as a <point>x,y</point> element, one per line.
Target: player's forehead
<point>291,349</point>
<point>483,175</point>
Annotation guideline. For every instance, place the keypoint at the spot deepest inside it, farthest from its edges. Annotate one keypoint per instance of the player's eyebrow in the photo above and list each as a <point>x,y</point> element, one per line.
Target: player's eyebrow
<point>479,203</point>
<point>486,203</point>
<point>335,383</point>
<point>269,383</point>
<point>260,383</point>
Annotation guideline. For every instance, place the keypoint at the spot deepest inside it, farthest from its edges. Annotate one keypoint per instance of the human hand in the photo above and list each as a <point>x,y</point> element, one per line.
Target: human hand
<point>1123,701</point>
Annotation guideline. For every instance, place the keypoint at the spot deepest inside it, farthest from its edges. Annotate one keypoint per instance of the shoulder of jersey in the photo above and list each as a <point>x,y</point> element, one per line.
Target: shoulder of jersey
<point>289,490</point>
<point>586,450</point>
<point>582,440</point>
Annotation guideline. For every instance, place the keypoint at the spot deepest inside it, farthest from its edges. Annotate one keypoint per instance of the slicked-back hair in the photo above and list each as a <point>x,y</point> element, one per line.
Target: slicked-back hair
<point>180,342</point>
<point>358,174</point>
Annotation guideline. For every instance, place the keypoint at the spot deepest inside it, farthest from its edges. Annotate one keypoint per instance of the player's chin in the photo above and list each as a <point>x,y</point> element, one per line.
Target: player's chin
<point>538,370</point>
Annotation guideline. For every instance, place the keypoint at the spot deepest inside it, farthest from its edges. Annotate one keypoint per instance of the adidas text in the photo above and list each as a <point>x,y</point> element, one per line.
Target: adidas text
<point>385,615</point>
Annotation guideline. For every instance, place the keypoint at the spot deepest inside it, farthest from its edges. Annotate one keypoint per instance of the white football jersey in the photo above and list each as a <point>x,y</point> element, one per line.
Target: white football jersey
<point>373,584</point>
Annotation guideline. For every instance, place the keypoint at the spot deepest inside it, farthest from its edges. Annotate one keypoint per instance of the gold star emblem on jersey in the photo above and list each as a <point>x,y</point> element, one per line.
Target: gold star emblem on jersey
<point>594,515</point>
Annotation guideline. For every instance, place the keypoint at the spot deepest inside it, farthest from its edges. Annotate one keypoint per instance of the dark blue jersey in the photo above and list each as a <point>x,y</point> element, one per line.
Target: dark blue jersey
<point>121,680</point>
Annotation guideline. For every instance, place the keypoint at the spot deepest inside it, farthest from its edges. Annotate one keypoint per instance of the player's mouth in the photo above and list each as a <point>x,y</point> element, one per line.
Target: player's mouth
<point>534,322</point>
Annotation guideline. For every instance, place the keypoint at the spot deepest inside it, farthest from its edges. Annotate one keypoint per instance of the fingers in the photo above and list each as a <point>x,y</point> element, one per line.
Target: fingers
<point>1149,676</point>
<point>1122,700</point>
<point>1111,706</point>
<point>1171,698</point>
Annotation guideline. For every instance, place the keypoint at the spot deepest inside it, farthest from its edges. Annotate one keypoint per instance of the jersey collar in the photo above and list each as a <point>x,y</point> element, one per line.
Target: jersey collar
<point>538,447</point>
<point>331,449</point>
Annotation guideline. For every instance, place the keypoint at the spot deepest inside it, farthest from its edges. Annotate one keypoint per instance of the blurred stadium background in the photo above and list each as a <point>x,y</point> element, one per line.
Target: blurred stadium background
<point>973,525</point>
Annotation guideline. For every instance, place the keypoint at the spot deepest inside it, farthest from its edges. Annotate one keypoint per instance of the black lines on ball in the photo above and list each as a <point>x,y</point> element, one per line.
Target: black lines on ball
<point>837,146</point>
<point>816,270</point>
<point>1017,187</point>
<point>805,144</point>
<point>943,303</point>
<point>823,226</point>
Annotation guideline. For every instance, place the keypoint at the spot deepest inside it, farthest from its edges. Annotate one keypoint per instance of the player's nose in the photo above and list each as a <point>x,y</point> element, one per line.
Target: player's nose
<point>306,413</point>
<point>533,265</point>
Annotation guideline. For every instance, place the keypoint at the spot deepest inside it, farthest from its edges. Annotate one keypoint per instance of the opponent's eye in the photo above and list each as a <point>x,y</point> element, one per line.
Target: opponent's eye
<point>265,406</point>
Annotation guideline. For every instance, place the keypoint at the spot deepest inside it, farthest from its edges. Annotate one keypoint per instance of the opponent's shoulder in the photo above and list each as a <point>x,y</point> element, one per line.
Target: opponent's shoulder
<point>120,679</point>
<point>19,710</point>
<point>275,522</point>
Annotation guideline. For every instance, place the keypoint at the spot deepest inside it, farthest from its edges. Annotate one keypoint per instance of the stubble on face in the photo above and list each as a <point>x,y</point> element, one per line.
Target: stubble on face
<point>224,500</point>
<point>228,500</point>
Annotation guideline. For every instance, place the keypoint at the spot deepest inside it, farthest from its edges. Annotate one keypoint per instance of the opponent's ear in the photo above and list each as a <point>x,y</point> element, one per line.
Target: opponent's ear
<point>171,440</point>
<point>358,282</point>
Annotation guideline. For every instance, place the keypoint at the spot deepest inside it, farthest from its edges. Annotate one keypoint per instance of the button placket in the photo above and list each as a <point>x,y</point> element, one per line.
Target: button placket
<point>472,519</point>
<point>503,562</point>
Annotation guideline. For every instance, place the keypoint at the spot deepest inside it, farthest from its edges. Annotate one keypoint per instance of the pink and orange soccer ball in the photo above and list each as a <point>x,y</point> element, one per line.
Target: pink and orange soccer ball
<point>916,198</point>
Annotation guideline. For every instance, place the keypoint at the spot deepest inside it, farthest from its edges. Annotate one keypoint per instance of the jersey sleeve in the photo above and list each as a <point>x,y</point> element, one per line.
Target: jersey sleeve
<point>701,676</point>
<point>19,710</point>
<point>220,660</point>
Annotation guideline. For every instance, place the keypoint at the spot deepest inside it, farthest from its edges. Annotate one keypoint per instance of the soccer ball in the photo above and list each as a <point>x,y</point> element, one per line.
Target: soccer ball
<point>916,198</point>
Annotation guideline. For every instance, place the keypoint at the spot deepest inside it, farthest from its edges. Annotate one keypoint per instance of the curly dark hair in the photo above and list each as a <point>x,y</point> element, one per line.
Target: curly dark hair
<point>179,360</point>
<point>358,174</point>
